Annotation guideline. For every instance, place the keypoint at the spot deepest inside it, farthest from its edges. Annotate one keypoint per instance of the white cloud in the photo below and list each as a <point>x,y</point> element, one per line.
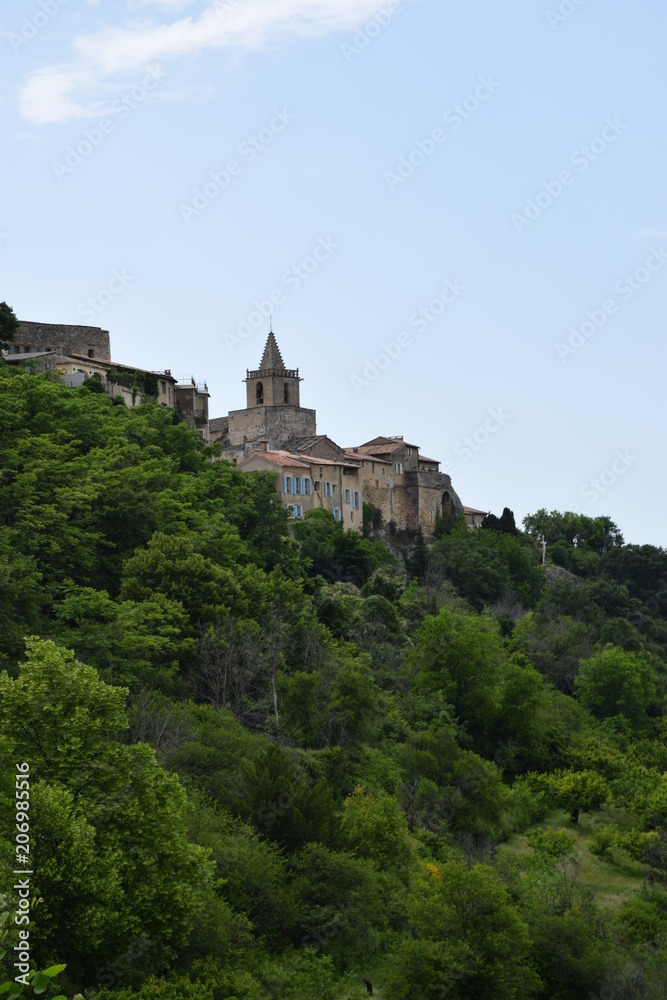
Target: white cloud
<point>45,97</point>
<point>113,52</point>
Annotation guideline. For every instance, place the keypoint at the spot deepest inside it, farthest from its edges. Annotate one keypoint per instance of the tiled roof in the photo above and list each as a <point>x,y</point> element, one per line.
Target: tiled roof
<point>282,458</point>
<point>294,459</point>
<point>30,354</point>
<point>433,461</point>
<point>473,510</point>
<point>218,423</point>
<point>106,363</point>
<point>387,443</point>
<point>272,358</point>
<point>357,455</point>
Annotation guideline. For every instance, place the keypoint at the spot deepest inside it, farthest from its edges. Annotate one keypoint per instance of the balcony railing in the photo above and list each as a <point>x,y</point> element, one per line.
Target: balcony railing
<point>273,372</point>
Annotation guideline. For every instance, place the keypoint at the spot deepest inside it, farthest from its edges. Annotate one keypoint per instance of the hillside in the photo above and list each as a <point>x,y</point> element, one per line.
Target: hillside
<point>274,759</point>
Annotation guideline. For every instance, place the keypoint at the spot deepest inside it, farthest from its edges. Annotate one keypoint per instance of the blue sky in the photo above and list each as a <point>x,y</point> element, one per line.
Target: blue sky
<point>457,215</point>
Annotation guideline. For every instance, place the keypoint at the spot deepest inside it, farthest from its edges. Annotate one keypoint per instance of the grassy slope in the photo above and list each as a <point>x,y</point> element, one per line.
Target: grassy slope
<point>614,879</point>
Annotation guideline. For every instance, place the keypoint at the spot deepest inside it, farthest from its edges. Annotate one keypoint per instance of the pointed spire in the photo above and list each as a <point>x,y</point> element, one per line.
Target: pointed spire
<point>272,358</point>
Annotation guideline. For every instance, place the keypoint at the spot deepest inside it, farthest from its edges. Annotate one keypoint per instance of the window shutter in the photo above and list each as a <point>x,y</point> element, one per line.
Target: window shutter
<point>286,488</point>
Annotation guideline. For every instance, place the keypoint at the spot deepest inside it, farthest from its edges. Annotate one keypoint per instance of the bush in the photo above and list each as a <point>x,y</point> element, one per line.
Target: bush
<point>551,843</point>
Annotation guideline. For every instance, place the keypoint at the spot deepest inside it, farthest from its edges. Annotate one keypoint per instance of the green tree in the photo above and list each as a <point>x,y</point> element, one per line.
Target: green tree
<point>375,827</point>
<point>616,682</point>
<point>471,935</point>
<point>108,808</point>
<point>462,656</point>
<point>477,571</point>
<point>8,326</point>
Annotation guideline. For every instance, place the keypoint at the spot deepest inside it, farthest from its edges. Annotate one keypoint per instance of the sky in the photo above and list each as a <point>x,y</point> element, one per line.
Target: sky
<point>456,215</point>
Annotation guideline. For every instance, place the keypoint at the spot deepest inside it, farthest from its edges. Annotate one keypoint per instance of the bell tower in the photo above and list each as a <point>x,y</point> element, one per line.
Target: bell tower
<point>273,412</point>
<point>272,384</point>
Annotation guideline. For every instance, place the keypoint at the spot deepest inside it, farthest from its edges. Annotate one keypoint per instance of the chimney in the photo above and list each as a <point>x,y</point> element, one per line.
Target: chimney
<point>167,371</point>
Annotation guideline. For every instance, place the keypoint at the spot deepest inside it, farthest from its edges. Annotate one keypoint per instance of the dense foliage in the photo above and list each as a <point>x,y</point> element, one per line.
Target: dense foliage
<point>272,759</point>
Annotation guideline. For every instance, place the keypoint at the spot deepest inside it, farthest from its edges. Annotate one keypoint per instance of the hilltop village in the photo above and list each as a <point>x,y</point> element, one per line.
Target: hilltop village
<point>273,432</point>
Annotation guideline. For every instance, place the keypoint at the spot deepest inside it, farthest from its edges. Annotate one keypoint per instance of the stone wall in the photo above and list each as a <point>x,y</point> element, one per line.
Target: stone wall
<point>275,424</point>
<point>65,339</point>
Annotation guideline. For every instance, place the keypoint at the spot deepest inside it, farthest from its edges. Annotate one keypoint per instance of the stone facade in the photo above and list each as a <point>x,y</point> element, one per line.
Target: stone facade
<point>75,353</point>
<point>306,482</point>
<point>84,341</point>
<point>191,401</point>
<point>403,485</point>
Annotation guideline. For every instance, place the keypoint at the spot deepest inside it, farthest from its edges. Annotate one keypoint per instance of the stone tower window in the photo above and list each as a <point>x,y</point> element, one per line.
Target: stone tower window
<point>286,392</point>
<point>259,393</point>
<point>91,353</point>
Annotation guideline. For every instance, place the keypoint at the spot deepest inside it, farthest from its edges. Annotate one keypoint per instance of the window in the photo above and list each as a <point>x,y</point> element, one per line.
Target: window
<point>286,484</point>
<point>296,486</point>
<point>336,514</point>
<point>399,468</point>
<point>286,392</point>
<point>346,496</point>
<point>304,488</point>
<point>356,500</point>
<point>327,489</point>
<point>259,393</point>
<point>91,353</point>
<point>163,385</point>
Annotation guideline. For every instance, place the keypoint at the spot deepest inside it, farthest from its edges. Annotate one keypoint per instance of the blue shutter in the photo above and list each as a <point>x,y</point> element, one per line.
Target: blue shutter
<point>303,487</point>
<point>286,484</point>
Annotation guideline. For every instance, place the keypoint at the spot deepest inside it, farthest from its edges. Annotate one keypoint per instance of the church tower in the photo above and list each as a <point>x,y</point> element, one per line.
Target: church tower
<point>272,384</point>
<point>273,417</point>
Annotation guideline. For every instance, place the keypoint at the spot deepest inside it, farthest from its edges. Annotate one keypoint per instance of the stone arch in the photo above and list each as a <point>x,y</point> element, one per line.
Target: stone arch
<point>446,506</point>
<point>259,392</point>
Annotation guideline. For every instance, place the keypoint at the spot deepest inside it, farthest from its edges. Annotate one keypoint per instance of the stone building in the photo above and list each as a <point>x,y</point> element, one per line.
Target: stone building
<point>305,482</point>
<point>273,411</point>
<point>274,432</point>
<point>406,487</point>
<point>191,401</point>
<point>474,517</point>
<point>77,353</point>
